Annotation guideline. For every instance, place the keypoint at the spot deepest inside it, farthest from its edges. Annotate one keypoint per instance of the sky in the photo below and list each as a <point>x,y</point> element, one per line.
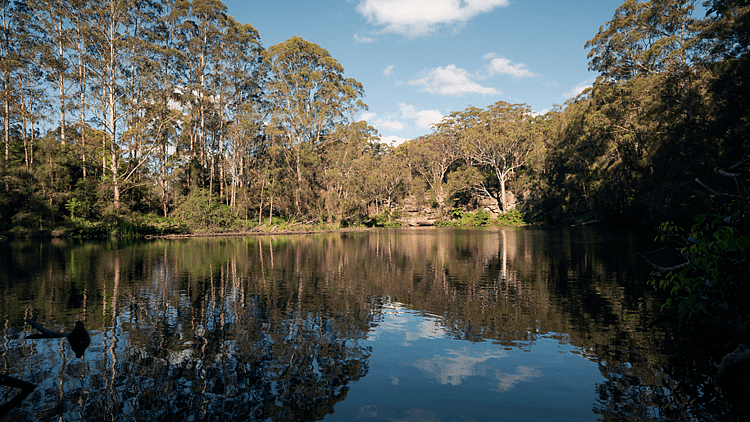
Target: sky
<point>420,60</point>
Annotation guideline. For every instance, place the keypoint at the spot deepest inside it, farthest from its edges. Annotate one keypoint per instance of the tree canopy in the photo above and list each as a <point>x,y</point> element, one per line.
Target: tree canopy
<point>173,107</point>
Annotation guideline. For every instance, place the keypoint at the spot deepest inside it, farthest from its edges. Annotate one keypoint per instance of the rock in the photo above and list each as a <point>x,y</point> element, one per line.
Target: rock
<point>734,373</point>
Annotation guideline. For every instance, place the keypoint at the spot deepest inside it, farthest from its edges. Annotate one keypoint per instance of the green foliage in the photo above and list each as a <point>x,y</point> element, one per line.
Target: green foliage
<point>467,219</point>
<point>201,212</point>
<point>710,288</point>
<point>671,105</point>
<point>510,218</point>
<point>385,220</point>
<point>75,208</point>
<point>483,218</point>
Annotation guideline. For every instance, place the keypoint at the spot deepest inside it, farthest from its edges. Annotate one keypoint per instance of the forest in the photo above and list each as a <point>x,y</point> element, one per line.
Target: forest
<point>159,116</point>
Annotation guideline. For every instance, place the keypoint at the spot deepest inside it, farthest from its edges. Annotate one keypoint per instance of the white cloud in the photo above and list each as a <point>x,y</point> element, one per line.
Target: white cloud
<point>425,118</point>
<point>359,39</point>
<point>540,113</point>
<point>388,70</point>
<point>393,141</point>
<point>577,89</point>
<point>373,119</point>
<point>414,18</point>
<point>450,80</point>
<point>391,124</point>
<point>503,66</point>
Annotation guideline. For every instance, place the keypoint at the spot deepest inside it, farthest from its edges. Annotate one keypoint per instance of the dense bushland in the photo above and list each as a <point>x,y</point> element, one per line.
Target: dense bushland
<point>114,114</point>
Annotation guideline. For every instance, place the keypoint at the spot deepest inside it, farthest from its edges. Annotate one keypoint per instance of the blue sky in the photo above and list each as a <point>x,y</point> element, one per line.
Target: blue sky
<point>420,60</point>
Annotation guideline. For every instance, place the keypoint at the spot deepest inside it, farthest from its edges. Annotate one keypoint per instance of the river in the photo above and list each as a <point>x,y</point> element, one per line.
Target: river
<point>420,324</point>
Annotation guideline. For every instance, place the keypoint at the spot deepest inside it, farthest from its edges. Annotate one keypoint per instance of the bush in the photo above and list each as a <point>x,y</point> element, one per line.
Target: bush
<point>709,289</point>
<point>482,218</point>
<point>384,220</point>
<point>510,218</point>
<point>203,213</point>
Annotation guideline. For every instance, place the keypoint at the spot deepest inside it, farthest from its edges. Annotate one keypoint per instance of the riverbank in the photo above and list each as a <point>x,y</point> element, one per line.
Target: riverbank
<point>150,226</point>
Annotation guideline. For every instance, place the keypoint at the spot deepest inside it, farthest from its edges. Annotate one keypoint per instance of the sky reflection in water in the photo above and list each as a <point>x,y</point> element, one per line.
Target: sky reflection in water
<point>418,373</point>
<point>388,325</point>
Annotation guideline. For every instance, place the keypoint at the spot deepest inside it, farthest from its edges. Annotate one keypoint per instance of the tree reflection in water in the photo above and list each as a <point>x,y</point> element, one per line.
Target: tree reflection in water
<point>276,328</point>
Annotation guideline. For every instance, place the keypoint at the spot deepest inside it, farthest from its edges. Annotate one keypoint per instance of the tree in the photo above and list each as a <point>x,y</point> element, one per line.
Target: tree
<point>238,82</point>
<point>308,97</point>
<point>14,15</point>
<point>343,164</point>
<point>432,156</point>
<point>726,28</point>
<point>645,38</point>
<point>498,140</point>
<point>201,36</point>
<point>107,65</point>
<point>54,18</point>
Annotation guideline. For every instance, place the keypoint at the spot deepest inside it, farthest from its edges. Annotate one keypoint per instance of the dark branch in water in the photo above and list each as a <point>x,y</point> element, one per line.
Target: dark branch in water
<point>666,269</point>
<point>45,332</point>
<point>659,267</point>
<point>26,389</point>
<point>78,339</point>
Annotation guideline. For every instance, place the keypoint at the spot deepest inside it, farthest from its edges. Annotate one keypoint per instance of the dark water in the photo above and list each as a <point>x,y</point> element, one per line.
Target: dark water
<point>390,325</point>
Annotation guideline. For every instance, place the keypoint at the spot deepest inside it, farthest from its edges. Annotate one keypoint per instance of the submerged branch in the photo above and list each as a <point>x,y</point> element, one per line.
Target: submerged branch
<point>45,332</point>
<point>78,339</point>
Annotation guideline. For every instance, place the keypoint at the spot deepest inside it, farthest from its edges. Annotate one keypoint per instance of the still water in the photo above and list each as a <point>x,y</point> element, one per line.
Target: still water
<point>424,324</point>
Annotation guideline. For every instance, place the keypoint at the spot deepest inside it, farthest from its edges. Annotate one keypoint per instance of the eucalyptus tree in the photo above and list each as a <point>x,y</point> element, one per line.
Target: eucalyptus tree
<point>107,59</point>
<point>345,164</point>
<point>32,103</point>
<point>498,140</point>
<point>54,20</point>
<point>245,148</point>
<point>308,97</point>
<point>200,39</point>
<point>237,82</point>
<point>12,32</point>
<point>432,156</point>
<point>727,28</point>
<point>163,112</point>
<point>645,112</point>
<point>645,38</point>
<point>78,41</point>
<point>141,78</point>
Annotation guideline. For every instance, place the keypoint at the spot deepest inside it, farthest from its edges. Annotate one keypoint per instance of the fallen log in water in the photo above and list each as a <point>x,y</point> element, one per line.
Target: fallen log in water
<point>78,339</point>
<point>26,389</point>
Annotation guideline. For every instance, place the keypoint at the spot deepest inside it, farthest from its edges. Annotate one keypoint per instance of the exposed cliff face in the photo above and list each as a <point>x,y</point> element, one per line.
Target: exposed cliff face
<point>414,212</point>
<point>416,221</point>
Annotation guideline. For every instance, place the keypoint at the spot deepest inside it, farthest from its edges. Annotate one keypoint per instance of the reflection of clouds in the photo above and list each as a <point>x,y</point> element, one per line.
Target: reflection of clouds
<point>410,415</point>
<point>427,328</point>
<point>458,365</point>
<point>508,381</point>
<point>396,318</point>
<point>368,411</point>
<point>421,415</point>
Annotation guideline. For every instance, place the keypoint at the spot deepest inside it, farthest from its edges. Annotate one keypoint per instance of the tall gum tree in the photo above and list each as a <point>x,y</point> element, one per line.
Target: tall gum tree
<point>498,139</point>
<point>11,60</point>
<point>308,97</point>
<point>54,18</point>
<point>108,66</point>
<point>237,82</point>
<point>201,35</point>
<point>645,38</point>
<point>432,156</point>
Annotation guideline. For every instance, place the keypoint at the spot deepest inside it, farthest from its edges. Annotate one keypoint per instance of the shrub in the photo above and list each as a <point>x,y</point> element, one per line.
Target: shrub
<point>510,218</point>
<point>710,287</point>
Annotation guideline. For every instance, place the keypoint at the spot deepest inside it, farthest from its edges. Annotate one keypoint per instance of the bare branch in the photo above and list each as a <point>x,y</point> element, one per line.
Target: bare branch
<point>666,269</point>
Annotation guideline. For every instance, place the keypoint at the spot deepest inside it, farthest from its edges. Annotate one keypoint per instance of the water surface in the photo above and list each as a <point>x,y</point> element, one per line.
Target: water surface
<point>421,324</point>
